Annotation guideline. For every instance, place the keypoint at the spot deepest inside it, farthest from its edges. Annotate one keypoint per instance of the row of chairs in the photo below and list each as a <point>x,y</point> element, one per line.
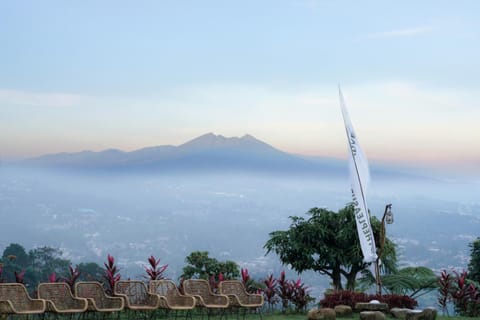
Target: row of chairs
<point>132,295</point>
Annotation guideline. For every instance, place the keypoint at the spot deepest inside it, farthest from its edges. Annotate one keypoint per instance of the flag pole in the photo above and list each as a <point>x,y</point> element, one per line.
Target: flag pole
<point>388,218</point>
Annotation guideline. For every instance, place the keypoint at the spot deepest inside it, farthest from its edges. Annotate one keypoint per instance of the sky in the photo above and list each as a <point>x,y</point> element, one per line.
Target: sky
<point>95,75</point>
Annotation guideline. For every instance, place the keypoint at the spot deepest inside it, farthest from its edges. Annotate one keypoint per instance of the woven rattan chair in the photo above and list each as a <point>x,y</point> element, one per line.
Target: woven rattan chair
<point>239,297</point>
<point>14,299</point>
<point>175,301</point>
<point>204,297</point>
<point>60,299</point>
<point>137,297</point>
<point>98,301</point>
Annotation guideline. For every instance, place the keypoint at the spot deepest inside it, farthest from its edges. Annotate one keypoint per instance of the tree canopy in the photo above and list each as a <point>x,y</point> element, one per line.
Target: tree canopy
<point>474,264</point>
<point>200,265</point>
<point>327,242</point>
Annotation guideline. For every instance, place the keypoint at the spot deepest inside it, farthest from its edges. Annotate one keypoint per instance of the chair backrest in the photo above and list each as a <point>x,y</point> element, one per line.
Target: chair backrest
<point>239,294</point>
<point>89,289</point>
<point>19,298</point>
<point>14,292</point>
<point>198,287</point>
<point>94,291</point>
<point>136,293</point>
<point>60,294</point>
<point>168,290</point>
<point>163,287</point>
<point>232,287</point>
<point>52,291</point>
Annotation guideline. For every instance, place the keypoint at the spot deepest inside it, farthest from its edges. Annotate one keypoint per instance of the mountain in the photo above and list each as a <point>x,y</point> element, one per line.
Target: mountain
<point>206,152</point>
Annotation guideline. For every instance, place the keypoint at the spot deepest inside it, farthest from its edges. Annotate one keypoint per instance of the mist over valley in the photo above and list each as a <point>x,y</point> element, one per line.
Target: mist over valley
<point>222,195</point>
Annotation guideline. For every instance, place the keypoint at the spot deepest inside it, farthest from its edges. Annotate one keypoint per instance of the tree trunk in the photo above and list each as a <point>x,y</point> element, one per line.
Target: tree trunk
<point>351,279</point>
<point>337,278</point>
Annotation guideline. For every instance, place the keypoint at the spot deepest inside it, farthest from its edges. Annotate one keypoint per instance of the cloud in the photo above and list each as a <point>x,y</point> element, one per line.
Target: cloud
<point>38,99</point>
<point>406,32</point>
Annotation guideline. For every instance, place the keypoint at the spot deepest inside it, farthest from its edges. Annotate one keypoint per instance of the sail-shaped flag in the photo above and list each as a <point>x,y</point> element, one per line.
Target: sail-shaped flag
<point>359,177</point>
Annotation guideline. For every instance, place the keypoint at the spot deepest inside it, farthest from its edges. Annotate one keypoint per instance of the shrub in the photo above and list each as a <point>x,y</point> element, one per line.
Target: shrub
<point>112,274</point>
<point>250,285</point>
<point>155,271</point>
<point>19,276</point>
<point>270,290</point>
<point>351,298</point>
<point>444,288</point>
<point>52,278</point>
<point>300,296</point>
<point>72,277</point>
<point>215,280</point>
<point>345,297</point>
<point>396,301</point>
<point>463,293</point>
<point>284,291</point>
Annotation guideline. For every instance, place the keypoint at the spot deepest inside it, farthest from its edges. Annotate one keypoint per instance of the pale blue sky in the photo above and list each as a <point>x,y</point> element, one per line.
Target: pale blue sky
<point>77,75</point>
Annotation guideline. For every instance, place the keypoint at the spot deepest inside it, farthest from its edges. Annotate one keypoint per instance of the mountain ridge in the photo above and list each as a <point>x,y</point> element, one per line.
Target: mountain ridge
<point>208,151</point>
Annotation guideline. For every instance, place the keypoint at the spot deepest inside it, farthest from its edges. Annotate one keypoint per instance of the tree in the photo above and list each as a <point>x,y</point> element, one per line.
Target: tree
<point>90,271</point>
<point>474,264</point>
<point>15,252</point>
<point>327,242</point>
<point>200,265</point>
<point>46,260</point>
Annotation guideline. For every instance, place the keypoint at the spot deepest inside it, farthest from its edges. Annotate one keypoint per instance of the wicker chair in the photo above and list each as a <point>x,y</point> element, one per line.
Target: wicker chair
<point>60,299</point>
<point>204,297</point>
<point>239,297</point>
<point>137,297</point>
<point>175,301</point>
<point>14,299</point>
<point>98,301</point>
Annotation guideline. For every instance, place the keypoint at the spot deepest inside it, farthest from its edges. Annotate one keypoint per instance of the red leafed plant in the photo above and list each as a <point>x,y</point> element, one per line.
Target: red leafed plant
<point>72,277</point>
<point>19,276</point>
<point>444,288</point>
<point>112,274</point>
<point>460,292</point>
<point>214,281</point>
<point>345,297</point>
<point>300,295</point>
<point>351,298</point>
<point>285,291</point>
<point>456,287</point>
<point>270,290</point>
<point>155,271</point>
<point>52,278</point>
<point>250,285</point>
<point>245,276</point>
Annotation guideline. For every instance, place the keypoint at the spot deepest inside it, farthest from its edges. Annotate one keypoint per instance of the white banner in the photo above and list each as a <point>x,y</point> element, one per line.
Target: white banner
<point>359,177</point>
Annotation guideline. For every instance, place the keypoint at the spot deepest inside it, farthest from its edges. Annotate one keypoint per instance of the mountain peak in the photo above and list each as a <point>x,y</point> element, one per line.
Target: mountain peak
<point>211,140</point>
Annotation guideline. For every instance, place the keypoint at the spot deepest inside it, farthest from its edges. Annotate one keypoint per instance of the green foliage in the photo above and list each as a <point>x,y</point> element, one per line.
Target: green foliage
<point>90,271</point>
<point>46,260</point>
<point>327,242</point>
<point>40,263</point>
<point>200,265</point>
<point>15,252</point>
<point>410,281</point>
<point>474,265</point>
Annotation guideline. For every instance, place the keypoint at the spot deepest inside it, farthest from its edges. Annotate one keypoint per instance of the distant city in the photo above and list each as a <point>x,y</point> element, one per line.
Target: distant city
<point>222,195</point>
